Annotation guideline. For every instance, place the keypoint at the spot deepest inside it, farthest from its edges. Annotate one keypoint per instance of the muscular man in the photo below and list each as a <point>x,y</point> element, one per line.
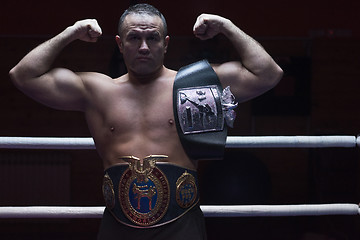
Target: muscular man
<point>131,117</point>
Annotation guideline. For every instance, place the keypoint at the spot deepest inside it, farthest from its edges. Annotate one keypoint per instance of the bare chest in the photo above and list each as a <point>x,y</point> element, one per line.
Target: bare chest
<point>129,110</point>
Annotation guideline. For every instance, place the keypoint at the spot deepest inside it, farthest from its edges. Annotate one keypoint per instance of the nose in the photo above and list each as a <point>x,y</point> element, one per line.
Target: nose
<point>144,48</point>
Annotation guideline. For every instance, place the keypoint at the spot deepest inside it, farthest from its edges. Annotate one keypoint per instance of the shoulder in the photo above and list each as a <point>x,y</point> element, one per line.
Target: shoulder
<point>91,76</point>
<point>167,76</point>
<point>170,73</point>
<point>95,79</point>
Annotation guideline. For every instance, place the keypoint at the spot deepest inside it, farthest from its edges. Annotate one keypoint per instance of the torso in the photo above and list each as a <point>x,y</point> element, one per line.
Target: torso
<point>133,120</point>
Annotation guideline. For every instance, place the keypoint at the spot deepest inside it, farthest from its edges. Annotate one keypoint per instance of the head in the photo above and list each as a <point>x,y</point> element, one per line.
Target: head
<point>143,8</point>
<point>142,39</point>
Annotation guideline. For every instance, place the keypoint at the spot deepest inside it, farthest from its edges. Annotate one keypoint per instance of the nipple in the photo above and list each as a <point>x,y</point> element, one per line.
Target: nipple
<point>112,129</point>
<point>171,122</point>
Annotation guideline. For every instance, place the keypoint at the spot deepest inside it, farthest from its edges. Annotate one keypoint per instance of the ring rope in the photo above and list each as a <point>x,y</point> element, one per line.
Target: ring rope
<point>208,210</point>
<point>47,143</point>
<point>232,142</point>
<point>291,141</point>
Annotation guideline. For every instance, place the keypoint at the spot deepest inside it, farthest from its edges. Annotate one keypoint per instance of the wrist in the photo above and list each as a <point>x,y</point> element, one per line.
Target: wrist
<point>69,34</point>
<point>229,29</point>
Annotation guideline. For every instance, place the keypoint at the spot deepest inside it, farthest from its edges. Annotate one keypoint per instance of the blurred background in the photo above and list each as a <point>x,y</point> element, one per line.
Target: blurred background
<point>316,42</point>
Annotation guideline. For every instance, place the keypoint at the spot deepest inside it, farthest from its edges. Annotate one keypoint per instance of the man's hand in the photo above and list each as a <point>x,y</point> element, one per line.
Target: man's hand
<point>87,30</point>
<point>207,26</point>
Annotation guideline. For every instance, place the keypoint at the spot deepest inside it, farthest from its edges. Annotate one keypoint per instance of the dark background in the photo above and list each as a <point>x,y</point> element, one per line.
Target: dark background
<point>315,42</point>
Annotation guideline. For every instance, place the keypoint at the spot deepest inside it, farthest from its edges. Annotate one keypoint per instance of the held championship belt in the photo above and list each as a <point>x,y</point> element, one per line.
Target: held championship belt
<point>200,107</point>
<point>143,194</point>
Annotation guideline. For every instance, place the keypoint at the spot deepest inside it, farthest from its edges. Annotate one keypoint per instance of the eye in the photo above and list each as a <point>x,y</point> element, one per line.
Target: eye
<point>153,37</point>
<point>133,37</point>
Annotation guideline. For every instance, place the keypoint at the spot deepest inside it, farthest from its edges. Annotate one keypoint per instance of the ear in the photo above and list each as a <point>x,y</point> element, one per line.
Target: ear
<point>166,43</point>
<point>119,43</point>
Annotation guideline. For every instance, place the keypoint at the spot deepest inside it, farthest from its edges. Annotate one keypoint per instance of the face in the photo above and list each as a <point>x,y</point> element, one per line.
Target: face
<point>142,44</point>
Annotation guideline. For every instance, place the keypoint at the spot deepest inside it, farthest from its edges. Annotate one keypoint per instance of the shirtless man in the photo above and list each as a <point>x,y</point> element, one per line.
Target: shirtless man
<point>148,128</point>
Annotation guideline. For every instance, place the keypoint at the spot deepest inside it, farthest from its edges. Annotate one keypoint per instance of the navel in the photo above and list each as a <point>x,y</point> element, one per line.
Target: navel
<point>112,129</point>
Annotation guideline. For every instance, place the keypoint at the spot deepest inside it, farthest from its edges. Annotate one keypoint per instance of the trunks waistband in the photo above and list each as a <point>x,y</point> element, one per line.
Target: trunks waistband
<point>149,194</point>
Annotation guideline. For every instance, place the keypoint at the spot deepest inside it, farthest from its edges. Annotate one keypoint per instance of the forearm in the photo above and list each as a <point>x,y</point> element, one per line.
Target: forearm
<point>253,56</point>
<point>255,73</point>
<point>39,60</point>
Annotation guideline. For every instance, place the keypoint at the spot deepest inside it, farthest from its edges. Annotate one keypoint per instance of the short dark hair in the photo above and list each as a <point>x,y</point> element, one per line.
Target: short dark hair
<point>143,8</point>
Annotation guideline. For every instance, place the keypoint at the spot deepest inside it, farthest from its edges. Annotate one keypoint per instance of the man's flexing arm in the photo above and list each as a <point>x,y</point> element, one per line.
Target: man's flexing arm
<point>59,88</point>
<point>255,73</point>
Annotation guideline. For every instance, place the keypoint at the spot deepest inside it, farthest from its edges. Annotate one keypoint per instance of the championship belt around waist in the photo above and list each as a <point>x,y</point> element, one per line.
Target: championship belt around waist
<point>201,108</point>
<point>149,194</point>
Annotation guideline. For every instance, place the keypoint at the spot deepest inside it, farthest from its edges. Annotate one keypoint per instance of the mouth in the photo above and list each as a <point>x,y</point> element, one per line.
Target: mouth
<point>143,58</point>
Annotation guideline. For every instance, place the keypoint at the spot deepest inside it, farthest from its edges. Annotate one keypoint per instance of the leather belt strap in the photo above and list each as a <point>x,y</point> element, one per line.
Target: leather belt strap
<point>149,198</point>
<point>198,111</point>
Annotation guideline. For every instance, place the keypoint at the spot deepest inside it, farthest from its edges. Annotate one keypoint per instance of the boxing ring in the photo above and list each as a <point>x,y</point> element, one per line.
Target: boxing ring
<point>342,141</point>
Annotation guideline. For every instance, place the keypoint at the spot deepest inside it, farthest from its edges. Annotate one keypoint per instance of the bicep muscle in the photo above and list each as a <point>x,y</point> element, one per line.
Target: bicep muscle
<point>59,88</point>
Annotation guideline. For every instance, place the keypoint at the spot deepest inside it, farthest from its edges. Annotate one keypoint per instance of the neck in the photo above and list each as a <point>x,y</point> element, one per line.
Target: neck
<point>145,78</point>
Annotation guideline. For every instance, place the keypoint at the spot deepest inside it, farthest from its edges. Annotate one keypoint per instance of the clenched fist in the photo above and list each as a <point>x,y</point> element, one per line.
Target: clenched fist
<point>207,26</point>
<point>87,30</point>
